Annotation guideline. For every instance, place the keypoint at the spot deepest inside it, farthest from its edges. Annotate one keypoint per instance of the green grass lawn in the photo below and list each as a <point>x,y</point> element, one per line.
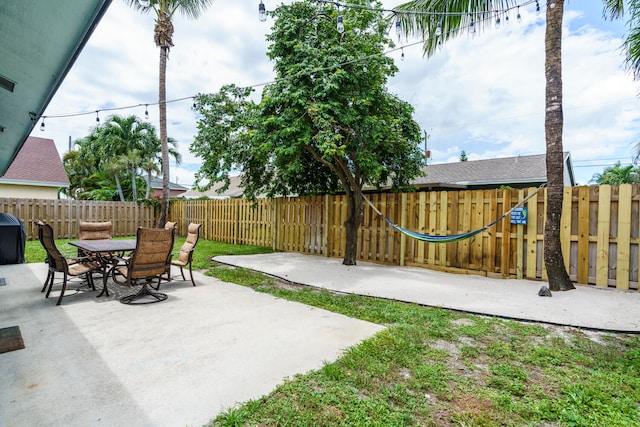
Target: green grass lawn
<point>435,367</point>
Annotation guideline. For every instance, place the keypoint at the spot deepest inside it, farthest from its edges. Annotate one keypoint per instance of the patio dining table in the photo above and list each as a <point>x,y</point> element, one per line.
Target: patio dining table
<point>104,250</point>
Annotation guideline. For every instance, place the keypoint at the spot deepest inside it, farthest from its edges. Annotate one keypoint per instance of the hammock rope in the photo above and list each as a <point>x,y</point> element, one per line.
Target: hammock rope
<point>454,237</point>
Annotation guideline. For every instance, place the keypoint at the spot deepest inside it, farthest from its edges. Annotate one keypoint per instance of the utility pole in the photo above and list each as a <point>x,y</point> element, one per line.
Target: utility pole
<point>427,153</point>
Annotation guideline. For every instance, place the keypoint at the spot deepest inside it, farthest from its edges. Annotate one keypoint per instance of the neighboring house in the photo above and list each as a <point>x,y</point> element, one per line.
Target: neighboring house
<point>175,190</point>
<point>515,172</point>
<point>36,171</point>
<point>234,190</point>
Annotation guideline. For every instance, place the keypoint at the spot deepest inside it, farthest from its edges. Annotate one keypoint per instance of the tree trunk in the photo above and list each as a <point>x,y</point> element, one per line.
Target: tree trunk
<point>134,184</point>
<point>352,224</point>
<point>119,187</point>
<point>162,99</point>
<point>558,278</point>
<point>148,193</point>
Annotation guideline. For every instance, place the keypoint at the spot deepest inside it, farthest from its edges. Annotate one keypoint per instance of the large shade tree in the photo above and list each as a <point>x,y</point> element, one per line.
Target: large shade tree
<point>327,123</point>
<point>441,20</point>
<point>163,37</point>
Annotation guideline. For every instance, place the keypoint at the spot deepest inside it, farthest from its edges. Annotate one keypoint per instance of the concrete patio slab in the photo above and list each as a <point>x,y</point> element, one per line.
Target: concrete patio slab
<point>94,361</point>
<point>584,307</point>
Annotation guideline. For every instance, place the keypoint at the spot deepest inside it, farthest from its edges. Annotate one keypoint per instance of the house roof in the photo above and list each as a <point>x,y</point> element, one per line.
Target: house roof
<point>156,183</point>
<point>38,161</point>
<point>502,171</point>
<point>234,190</point>
<point>39,42</point>
<point>516,172</point>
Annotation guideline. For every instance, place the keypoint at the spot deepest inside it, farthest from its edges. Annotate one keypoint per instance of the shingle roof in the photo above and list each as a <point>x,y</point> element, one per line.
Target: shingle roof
<point>157,184</point>
<point>38,161</point>
<point>502,170</point>
<point>234,190</point>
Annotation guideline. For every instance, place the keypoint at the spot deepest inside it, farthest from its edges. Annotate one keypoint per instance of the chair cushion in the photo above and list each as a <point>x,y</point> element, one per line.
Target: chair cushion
<point>95,230</point>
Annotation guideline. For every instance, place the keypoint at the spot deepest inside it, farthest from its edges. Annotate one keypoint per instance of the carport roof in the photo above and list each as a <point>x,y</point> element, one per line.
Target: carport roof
<point>39,42</point>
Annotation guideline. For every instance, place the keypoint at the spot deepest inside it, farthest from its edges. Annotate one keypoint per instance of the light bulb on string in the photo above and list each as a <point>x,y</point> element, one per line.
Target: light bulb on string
<point>519,17</point>
<point>402,55</point>
<point>262,12</point>
<point>42,125</point>
<point>398,28</point>
<point>472,27</point>
<point>97,117</point>
<point>552,4</point>
<point>146,112</point>
<point>506,19</point>
<point>537,8</point>
<point>439,29</point>
<point>340,25</point>
<point>497,22</point>
<point>144,3</point>
<point>194,106</point>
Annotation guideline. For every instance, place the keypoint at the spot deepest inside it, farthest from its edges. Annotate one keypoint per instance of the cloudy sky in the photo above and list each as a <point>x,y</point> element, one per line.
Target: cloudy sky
<point>482,94</point>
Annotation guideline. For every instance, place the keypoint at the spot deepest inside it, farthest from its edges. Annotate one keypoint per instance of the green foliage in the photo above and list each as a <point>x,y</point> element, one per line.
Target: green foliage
<point>319,127</point>
<point>617,174</point>
<point>108,161</point>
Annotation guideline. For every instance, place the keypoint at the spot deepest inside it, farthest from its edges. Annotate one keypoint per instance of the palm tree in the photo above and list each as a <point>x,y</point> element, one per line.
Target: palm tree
<point>617,174</point>
<point>442,20</point>
<point>631,45</point>
<point>124,139</point>
<point>151,157</point>
<point>163,36</point>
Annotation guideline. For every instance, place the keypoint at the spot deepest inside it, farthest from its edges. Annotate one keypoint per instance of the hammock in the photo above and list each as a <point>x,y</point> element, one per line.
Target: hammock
<point>454,237</point>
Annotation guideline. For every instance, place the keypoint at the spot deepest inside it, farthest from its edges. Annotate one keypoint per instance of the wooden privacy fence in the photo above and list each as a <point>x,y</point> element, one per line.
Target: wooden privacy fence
<point>64,215</point>
<point>599,230</point>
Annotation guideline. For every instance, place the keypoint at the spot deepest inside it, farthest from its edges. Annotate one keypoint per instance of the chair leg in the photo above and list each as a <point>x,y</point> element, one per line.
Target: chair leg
<point>64,286</point>
<point>191,274</point>
<point>46,282</point>
<point>50,278</point>
<point>182,272</point>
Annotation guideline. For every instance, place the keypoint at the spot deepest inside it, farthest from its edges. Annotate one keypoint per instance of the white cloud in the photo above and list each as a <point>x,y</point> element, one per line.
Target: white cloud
<point>484,95</point>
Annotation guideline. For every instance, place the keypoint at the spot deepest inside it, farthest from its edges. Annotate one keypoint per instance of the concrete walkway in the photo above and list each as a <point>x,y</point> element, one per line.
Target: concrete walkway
<point>93,361</point>
<point>585,307</point>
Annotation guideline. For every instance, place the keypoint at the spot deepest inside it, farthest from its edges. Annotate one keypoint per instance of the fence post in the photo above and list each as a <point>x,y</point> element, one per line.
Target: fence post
<point>403,224</point>
<point>520,243</point>
<point>325,229</point>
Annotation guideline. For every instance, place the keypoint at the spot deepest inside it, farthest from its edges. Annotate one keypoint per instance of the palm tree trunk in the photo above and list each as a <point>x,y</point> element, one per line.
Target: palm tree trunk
<point>148,193</point>
<point>164,208</point>
<point>554,261</point>
<point>119,187</point>
<point>134,184</point>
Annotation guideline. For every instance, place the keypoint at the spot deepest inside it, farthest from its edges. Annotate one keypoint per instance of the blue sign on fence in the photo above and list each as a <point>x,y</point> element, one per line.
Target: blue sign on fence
<point>519,216</point>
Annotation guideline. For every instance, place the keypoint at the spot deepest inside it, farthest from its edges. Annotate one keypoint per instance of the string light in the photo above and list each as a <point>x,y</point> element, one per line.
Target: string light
<point>471,27</point>
<point>146,112</point>
<point>497,22</point>
<point>398,28</point>
<point>537,8</point>
<point>262,12</point>
<point>340,25</point>
<point>402,55</point>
